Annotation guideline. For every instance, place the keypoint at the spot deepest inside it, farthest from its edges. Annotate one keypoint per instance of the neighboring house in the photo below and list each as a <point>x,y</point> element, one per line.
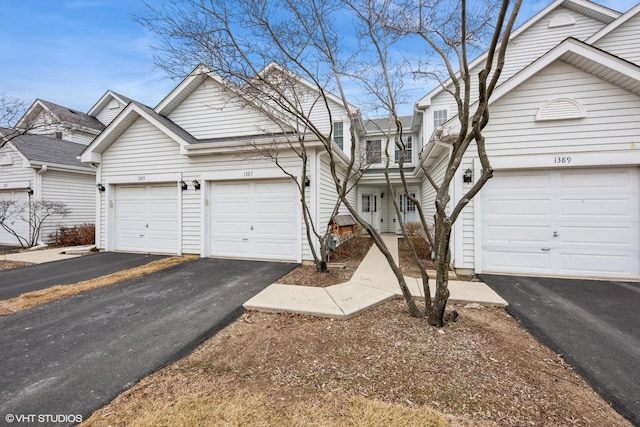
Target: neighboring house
<point>564,140</point>
<point>43,163</point>
<point>184,177</point>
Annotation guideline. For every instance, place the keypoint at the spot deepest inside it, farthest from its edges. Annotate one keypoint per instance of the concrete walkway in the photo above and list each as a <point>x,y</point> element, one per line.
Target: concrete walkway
<point>371,284</point>
<point>38,256</point>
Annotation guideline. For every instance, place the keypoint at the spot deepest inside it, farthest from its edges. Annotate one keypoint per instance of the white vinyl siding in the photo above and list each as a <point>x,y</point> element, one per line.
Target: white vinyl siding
<point>77,191</point>
<point>107,114</point>
<point>209,112</point>
<point>15,173</point>
<point>523,50</point>
<point>611,115</point>
<point>623,41</point>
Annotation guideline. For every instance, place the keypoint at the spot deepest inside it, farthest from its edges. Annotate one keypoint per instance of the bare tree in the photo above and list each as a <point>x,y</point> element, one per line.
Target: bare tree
<point>238,38</point>
<point>34,214</point>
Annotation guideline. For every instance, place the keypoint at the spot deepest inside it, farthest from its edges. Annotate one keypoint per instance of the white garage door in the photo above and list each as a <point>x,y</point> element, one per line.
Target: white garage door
<point>254,219</point>
<point>582,222</point>
<point>19,226</point>
<point>146,218</point>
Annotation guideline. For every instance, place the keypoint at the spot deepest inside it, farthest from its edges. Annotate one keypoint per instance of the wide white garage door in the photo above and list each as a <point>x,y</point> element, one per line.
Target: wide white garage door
<point>19,226</point>
<point>146,218</point>
<point>582,222</point>
<point>254,219</point>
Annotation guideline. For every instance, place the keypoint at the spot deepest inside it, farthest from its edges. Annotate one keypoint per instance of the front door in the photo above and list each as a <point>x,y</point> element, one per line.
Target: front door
<point>407,210</point>
<point>369,209</point>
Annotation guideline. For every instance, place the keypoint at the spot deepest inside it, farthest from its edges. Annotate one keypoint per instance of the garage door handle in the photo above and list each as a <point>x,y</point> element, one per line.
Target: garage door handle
<point>146,225</point>
<point>545,249</point>
<point>251,228</point>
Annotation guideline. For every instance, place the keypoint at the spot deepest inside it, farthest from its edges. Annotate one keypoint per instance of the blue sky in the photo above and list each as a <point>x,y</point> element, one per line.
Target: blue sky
<point>71,51</point>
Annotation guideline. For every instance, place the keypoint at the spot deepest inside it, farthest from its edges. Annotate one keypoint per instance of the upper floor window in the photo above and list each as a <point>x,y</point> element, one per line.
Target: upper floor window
<point>374,151</point>
<point>408,150</point>
<point>338,134</point>
<point>439,117</point>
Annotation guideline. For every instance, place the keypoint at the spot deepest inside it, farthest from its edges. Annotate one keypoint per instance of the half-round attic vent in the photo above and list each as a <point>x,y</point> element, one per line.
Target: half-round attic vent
<point>561,20</point>
<point>6,160</point>
<point>561,109</point>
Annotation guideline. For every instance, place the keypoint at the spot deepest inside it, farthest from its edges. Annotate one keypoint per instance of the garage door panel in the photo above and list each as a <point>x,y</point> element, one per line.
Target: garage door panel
<point>610,237</point>
<point>535,260</point>
<point>518,235</point>
<point>586,221</point>
<point>595,264</point>
<point>518,205</point>
<point>146,218</point>
<point>254,219</point>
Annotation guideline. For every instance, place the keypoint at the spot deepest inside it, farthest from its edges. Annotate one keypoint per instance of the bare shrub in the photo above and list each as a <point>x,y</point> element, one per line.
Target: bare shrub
<point>84,234</point>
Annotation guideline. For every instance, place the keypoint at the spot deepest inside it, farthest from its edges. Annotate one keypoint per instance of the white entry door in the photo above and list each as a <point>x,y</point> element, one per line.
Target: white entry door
<point>146,218</point>
<point>369,209</point>
<point>19,226</point>
<point>254,220</point>
<point>407,210</point>
<point>578,222</point>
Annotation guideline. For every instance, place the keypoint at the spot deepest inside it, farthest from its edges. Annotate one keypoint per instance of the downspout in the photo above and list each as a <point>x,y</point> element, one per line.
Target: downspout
<point>38,196</point>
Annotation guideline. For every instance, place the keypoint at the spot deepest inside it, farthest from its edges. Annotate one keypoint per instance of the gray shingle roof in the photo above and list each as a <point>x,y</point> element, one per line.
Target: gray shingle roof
<point>47,150</point>
<point>74,117</point>
<point>385,123</point>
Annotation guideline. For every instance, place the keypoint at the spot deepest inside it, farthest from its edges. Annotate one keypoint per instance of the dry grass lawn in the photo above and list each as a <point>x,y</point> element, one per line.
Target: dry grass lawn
<point>380,368</point>
<point>54,293</point>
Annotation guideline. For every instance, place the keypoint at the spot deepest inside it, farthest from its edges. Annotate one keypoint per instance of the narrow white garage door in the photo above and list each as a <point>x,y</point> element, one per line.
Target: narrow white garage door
<point>582,222</point>
<point>19,226</point>
<point>254,219</point>
<point>146,218</point>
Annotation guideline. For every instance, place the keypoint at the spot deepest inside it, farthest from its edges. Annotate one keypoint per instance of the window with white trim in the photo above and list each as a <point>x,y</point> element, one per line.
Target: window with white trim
<point>374,151</point>
<point>338,134</point>
<point>408,146</point>
<point>439,117</point>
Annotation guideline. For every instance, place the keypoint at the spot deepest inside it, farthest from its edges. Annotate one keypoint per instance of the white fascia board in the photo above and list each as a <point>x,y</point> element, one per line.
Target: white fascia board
<point>63,168</point>
<point>569,45</point>
<point>615,24</point>
<point>132,108</point>
<point>30,111</point>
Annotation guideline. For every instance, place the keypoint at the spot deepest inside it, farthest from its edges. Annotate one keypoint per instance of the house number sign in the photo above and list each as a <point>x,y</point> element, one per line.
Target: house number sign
<point>142,178</point>
<point>248,173</point>
<point>558,160</point>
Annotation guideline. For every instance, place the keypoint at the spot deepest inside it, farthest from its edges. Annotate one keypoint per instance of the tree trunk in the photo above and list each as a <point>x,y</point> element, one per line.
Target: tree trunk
<point>443,262</point>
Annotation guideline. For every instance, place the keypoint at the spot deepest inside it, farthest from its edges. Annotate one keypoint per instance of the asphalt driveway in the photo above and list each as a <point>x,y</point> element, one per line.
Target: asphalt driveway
<point>594,324</point>
<point>75,355</point>
<point>17,281</point>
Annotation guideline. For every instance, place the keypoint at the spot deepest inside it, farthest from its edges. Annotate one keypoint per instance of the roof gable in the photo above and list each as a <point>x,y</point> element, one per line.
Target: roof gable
<point>108,97</point>
<point>125,119</point>
<point>59,114</point>
<point>583,7</point>
<point>585,58</point>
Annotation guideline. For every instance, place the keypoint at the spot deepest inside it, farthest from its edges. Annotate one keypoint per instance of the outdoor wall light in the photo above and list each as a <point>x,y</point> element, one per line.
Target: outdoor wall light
<point>196,184</point>
<point>307,181</point>
<point>382,195</point>
<point>30,191</point>
<point>183,185</point>
<point>467,178</point>
<point>100,187</point>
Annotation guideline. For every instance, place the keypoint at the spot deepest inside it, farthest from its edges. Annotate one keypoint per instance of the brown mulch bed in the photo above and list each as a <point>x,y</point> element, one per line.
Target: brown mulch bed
<point>348,255</point>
